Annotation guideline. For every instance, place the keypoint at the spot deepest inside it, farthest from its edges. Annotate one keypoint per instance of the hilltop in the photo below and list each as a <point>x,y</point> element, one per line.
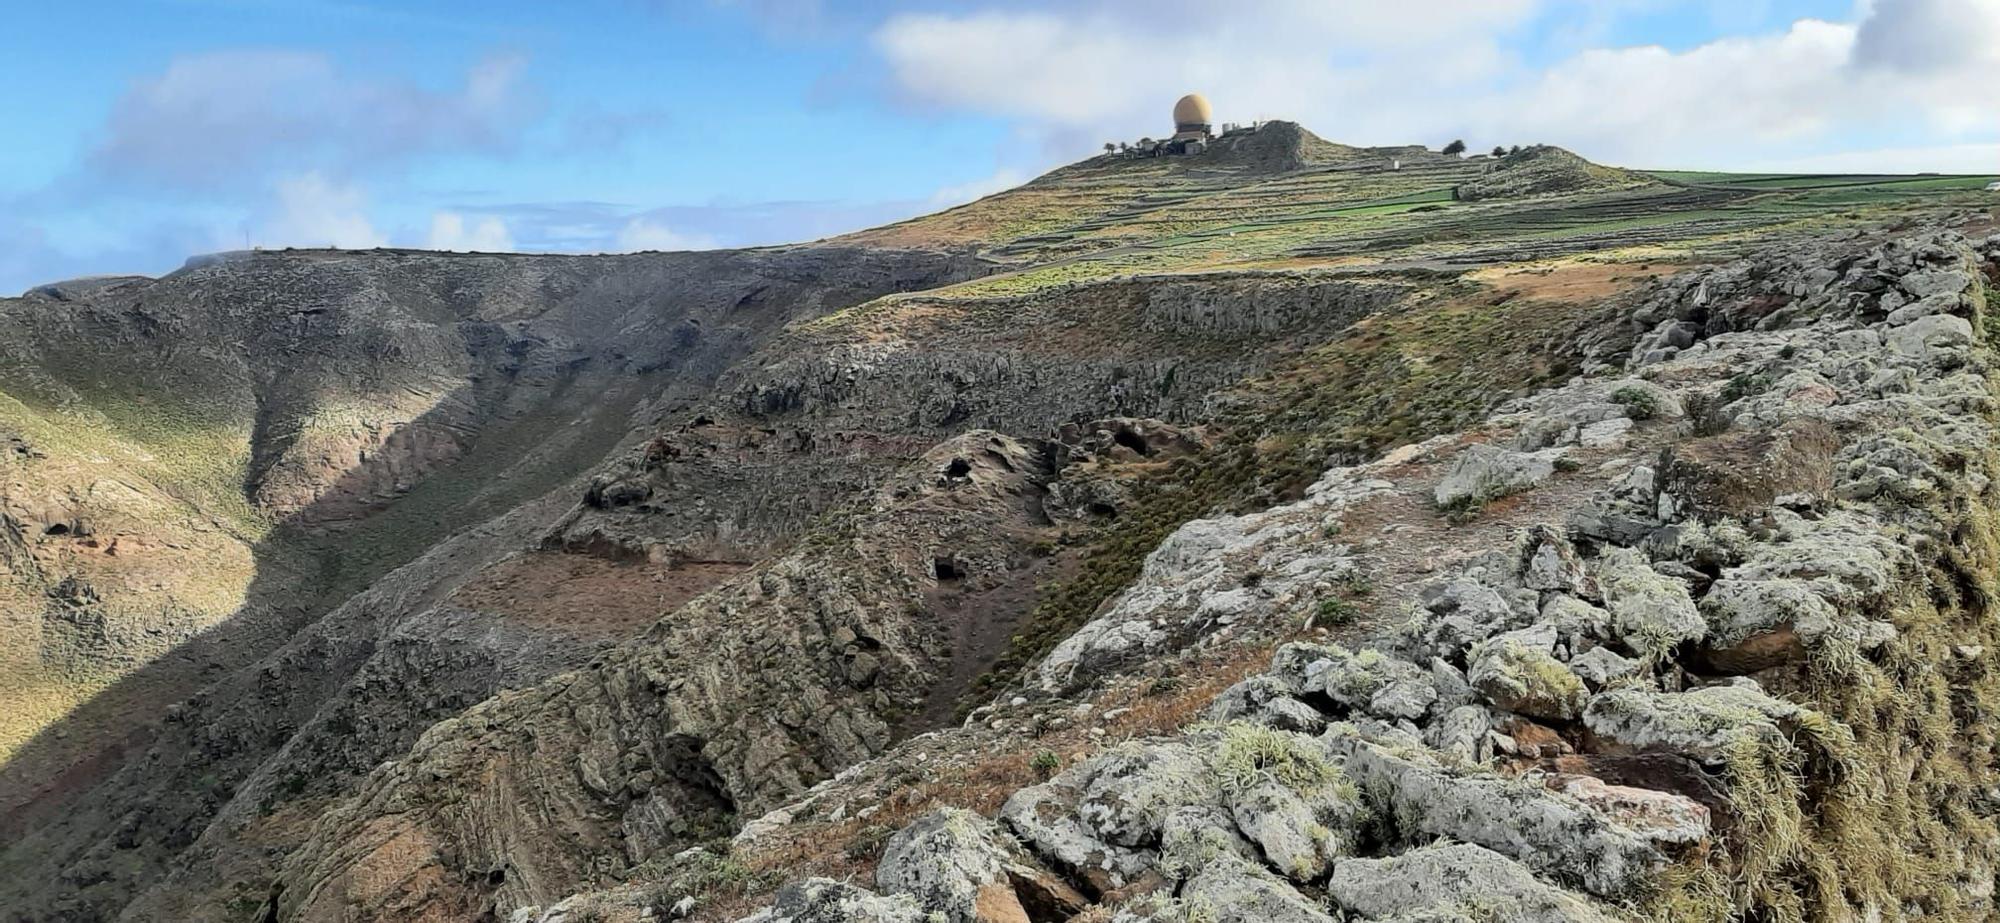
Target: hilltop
<point>388,585</point>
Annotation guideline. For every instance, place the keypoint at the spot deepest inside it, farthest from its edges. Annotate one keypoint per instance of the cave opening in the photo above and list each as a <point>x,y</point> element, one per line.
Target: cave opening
<point>1133,441</point>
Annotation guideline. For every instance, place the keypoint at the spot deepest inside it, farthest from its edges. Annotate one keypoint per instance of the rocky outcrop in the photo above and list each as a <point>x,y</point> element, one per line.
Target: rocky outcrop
<point>1543,170</point>
<point>706,719</point>
<point>1569,708</point>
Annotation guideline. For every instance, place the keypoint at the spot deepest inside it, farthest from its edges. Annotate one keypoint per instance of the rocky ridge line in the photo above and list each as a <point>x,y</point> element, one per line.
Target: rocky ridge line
<point>1749,676</point>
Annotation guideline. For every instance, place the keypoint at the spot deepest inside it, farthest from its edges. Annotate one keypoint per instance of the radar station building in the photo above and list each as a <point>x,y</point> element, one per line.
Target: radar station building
<point>1194,128</point>
<point>1193,118</point>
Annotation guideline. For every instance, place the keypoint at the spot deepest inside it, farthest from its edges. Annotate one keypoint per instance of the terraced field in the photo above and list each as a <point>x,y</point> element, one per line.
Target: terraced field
<point>1381,207</point>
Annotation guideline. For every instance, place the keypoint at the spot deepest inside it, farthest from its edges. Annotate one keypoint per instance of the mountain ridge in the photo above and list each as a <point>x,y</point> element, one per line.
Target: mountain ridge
<point>408,443</point>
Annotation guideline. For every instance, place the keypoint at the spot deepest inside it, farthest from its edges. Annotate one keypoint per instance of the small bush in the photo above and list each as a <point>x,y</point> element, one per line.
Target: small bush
<point>1639,403</point>
<point>1464,509</point>
<point>1746,385</point>
<point>1045,763</point>
<point>1336,611</point>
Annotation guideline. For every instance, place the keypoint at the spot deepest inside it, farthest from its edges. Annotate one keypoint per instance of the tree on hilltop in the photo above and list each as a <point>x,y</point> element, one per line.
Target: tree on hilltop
<point>1454,149</point>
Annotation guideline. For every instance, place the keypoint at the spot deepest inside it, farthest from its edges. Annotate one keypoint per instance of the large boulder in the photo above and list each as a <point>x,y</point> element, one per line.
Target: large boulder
<point>1705,723</point>
<point>1517,672</point>
<point>1670,820</point>
<point>1651,613</point>
<point>1046,817</point>
<point>1231,890</point>
<point>1549,832</point>
<point>1743,473</point>
<point>952,863</point>
<point>1936,338</point>
<point>1375,684</point>
<point>822,900</point>
<point>1461,881</point>
<point>1483,473</point>
<point>1461,611</point>
<point>1758,624</point>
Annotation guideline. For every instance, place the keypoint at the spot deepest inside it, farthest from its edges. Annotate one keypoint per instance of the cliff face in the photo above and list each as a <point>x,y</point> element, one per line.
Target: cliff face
<point>388,585</point>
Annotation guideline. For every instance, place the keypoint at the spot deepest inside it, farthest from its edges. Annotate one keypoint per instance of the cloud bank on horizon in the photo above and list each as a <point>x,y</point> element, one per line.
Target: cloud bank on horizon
<point>702,123</point>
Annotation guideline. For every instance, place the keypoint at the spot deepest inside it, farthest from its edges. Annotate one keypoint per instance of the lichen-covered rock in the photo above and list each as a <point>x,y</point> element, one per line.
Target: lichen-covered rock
<point>1551,833</point>
<point>1601,667</point>
<point>1266,700</point>
<point>1047,818</point>
<point>1703,723</point>
<point>1461,611</point>
<point>1133,788</point>
<point>1375,683</point>
<point>1230,890</point>
<point>1194,836</point>
<point>1484,473</point>
<point>952,863</point>
<point>1650,613</point>
<point>822,900</point>
<point>1211,575</point>
<point>1461,733</point>
<point>1668,819</point>
<point>1758,624</point>
<point>1519,675</point>
<point>1577,623</point>
<point>1936,338</point>
<point>1547,561</point>
<point>1454,882</point>
<point>1299,830</point>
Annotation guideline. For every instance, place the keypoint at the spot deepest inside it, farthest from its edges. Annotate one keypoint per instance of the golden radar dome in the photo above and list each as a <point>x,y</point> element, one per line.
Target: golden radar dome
<point>1192,110</point>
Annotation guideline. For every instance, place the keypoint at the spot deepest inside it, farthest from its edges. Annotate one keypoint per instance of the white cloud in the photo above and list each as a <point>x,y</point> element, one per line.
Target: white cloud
<point>1929,36</point>
<point>645,234</point>
<point>1425,71</point>
<point>210,118</point>
<point>313,211</point>
<point>449,231</point>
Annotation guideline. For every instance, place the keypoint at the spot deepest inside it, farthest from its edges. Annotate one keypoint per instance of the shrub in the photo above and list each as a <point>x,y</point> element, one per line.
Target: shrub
<point>1045,763</point>
<point>1639,403</point>
<point>1454,149</point>
<point>1336,611</point>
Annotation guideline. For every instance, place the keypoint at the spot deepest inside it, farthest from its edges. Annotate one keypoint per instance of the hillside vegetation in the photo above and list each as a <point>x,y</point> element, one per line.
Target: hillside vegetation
<point>1283,532</point>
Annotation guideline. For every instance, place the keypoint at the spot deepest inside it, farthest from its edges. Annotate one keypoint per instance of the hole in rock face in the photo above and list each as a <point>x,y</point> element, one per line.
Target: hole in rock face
<point>497,876</point>
<point>1101,508</point>
<point>959,468</point>
<point>1133,441</point>
<point>57,529</point>
<point>946,569</point>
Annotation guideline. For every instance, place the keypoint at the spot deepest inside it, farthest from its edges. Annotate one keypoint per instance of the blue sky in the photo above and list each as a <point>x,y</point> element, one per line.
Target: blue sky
<point>141,133</point>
